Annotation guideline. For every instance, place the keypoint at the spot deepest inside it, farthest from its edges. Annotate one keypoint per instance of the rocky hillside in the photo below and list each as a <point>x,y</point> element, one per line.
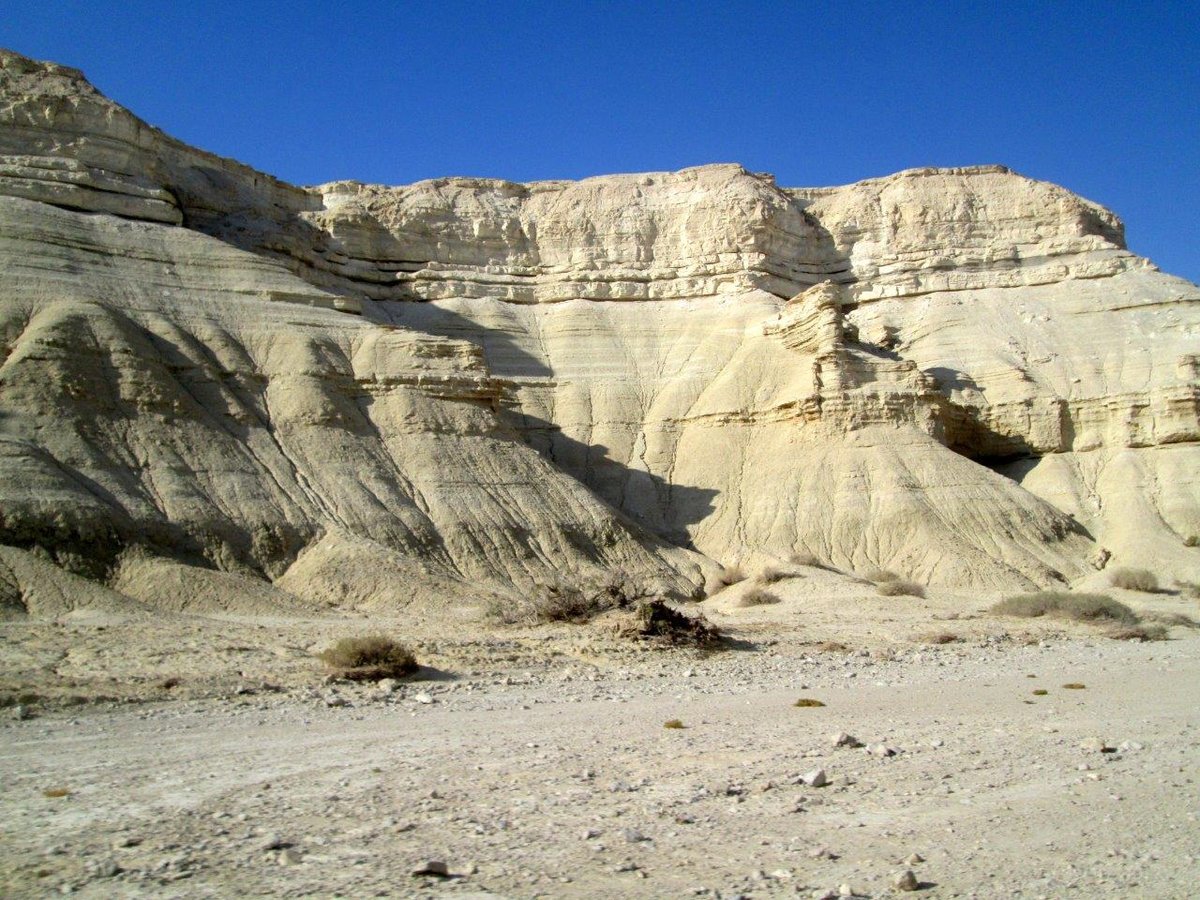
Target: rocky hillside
<point>373,397</point>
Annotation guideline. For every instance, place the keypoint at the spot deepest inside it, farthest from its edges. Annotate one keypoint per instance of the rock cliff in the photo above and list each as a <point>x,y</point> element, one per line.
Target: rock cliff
<point>372,396</point>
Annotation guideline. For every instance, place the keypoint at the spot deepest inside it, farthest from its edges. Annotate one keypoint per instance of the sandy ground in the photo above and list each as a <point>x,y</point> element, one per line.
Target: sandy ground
<point>535,762</point>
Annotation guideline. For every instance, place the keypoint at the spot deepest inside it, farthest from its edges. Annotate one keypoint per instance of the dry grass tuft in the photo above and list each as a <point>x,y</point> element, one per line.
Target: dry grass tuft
<point>1134,580</point>
<point>1170,620</point>
<point>1074,686</point>
<point>832,647</point>
<point>1061,605</point>
<point>772,574</point>
<point>732,575</point>
<point>1142,633</point>
<point>805,559</point>
<point>564,602</point>
<point>879,576</point>
<point>369,658</point>
<point>1040,692</point>
<point>729,575</point>
<point>502,610</point>
<point>889,584</point>
<point>756,596</point>
<point>898,587</point>
<point>1189,589</point>
<point>567,603</point>
<point>55,793</point>
<point>673,723</point>
<point>940,637</point>
<point>807,703</point>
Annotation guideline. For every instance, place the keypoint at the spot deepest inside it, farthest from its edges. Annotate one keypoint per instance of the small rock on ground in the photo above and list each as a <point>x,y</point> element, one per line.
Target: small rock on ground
<point>906,881</point>
<point>432,867</point>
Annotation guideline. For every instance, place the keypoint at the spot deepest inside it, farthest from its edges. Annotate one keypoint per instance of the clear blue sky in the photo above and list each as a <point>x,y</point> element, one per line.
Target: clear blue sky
<point>1102,97</point>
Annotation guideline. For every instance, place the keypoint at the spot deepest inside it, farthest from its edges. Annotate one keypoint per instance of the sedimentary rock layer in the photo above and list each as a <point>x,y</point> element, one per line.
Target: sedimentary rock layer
<point>155,396</point>
<point>959,373</point>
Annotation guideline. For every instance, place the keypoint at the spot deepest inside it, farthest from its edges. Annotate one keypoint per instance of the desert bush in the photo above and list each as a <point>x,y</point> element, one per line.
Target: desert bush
<point>756,596</point>
<point>772,574</point>
<point>1170,620</point>
<point>654,619</point>
<point>563,602</point>
<point>568,603</point>
<point>807,702</point>
<point>939,637</point>
<point>1040,692</point>
<point>369,658</point>
<point>1189,589</point>
<point>879,576</point>
<point>1192,540</point>
<point>728,575</point>
<point>1141,633</point>
<point>899,586</point>
<point>1134,580</point>
<point>805,559</point>
<point>1061,605</point>
<point>1075,686</point>
<point>674,724</point>
<point>832,647</point>
<point>504,611</point>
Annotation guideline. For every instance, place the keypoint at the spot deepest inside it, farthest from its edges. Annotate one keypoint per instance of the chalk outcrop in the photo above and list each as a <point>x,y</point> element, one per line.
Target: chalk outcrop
<point>378,397</point>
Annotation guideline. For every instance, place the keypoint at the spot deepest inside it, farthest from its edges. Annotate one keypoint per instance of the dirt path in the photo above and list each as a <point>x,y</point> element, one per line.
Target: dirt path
<point>565,782</point>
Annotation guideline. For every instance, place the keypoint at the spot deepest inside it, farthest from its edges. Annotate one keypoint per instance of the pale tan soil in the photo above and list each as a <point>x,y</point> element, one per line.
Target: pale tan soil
<point>535,739</point>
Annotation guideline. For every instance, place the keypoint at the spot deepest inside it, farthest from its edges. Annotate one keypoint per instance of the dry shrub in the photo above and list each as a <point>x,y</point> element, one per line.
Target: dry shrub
<point>1134,580</point>
<point>772,574</point>
<point>504,611</point>
<point>1192,540</point>
<point>1061,605</point>
<point>1189,589</point>
<point>805,559</point>
<point>879,576</point>
<point>563,602</point>
<point>756,596</point>
<point>1141,633</point>
<point>832,647</point>
<point>807,703</point>
<point>1074,686</point>
<point>1170,620</point>
<point>897,587</point>
<point>369,658</point>
<point>673,723</point>
<point>56,792</point>
<point>1040,692</point>
<point>655,620</point>
<point>567,603</point>
<point>940,637</point>
<point>729,575</point>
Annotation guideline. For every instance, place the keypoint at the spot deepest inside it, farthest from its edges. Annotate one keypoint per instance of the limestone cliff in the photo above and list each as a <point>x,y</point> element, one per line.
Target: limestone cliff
<point>962,374</point>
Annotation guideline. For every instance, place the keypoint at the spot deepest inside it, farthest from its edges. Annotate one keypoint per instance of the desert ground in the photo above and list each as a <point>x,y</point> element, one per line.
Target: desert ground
<point>201,757</point>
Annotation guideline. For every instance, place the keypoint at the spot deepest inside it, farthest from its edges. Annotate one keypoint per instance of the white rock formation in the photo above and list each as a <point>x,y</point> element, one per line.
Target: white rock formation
<point>960,374</point>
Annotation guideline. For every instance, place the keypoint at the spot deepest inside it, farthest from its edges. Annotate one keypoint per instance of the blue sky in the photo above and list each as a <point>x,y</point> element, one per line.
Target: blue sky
<point>1103,98</point>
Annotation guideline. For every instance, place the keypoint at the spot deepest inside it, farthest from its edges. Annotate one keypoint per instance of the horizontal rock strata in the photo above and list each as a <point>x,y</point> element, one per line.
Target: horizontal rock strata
<point>962,374</point>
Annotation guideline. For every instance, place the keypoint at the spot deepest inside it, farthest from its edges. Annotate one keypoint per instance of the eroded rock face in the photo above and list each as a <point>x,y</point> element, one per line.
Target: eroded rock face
<point>961,374</point>
<point>153,397</point>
